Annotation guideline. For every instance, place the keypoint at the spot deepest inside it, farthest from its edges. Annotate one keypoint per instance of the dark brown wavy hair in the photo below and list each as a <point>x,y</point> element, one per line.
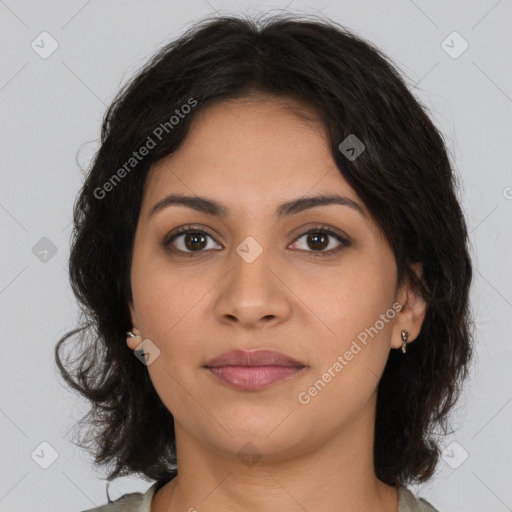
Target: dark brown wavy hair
<point>404,177</point>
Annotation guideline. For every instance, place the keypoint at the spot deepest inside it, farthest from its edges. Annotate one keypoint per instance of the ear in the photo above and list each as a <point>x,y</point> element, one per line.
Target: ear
<point>412,312</point>
<point>133,343</point>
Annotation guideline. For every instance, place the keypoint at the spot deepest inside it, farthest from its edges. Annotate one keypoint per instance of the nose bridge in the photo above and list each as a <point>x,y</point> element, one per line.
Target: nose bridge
<point>252,290</point>
<point>251,260</point>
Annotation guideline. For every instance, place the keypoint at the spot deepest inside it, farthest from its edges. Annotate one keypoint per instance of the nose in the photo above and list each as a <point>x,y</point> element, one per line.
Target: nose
<point>252,294</point>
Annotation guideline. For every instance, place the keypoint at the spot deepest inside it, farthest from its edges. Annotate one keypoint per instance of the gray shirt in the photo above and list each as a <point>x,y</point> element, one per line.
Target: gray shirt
<point>141,502</point>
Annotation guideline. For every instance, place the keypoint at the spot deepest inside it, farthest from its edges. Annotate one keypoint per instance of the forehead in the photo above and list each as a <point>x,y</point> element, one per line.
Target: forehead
<point>251,151</point>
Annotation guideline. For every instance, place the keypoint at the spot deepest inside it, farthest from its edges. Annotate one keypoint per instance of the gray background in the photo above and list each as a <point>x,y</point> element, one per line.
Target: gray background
<point>51,111</point>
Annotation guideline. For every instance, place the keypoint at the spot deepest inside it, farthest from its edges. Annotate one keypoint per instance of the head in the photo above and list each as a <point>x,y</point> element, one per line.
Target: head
<point>243,126</point>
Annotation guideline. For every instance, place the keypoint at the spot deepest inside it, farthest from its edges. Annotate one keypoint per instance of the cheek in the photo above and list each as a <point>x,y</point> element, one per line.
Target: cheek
<point>172,317</point>
<point>355,315</point>
<point>352,295</point>
<point>351,360</point>
<point>165,294</point>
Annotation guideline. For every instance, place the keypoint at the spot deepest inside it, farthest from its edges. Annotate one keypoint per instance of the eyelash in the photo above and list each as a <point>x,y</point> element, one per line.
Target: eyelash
<point>190,229</point>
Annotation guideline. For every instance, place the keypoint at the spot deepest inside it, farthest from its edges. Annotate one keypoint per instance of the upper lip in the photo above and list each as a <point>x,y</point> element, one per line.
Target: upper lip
<point>261,357</point>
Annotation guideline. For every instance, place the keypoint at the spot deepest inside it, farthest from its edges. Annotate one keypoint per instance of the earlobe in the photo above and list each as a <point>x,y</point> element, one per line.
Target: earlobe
<point>133,338</point>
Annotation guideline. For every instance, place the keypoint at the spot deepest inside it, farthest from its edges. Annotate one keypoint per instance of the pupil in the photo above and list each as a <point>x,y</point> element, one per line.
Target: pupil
<point>315,237</point>
<point>191,245</point>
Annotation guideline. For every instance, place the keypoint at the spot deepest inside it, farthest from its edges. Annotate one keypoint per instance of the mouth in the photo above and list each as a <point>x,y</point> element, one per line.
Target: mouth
<point>253,370</point>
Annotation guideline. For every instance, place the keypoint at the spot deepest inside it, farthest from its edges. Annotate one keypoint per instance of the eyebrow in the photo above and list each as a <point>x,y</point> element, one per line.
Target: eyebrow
<point>211,207</point>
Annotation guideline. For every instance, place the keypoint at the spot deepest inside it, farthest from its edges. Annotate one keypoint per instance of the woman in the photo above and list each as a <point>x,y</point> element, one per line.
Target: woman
<point>271,227</point>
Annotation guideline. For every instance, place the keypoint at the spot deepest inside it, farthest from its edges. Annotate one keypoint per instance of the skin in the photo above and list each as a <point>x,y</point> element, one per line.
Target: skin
<point>251,155</point>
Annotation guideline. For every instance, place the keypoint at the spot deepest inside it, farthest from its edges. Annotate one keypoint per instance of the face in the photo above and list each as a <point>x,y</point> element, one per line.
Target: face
<point>253,276</point>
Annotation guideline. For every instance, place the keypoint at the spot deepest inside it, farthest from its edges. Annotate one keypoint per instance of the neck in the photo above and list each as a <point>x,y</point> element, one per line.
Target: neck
<point>336,476</point>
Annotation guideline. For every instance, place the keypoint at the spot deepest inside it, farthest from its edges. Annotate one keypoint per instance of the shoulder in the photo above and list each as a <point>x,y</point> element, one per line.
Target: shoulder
<point>408,502</point>
<point>132,502</point>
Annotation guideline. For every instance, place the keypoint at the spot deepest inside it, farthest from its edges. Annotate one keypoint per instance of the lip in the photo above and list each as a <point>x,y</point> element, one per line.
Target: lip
<point>253,370</point>
<point>260,357</point>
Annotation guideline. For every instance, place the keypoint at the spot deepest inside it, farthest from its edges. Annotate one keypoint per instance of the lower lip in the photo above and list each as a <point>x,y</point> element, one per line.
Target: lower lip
<point>252,378</point>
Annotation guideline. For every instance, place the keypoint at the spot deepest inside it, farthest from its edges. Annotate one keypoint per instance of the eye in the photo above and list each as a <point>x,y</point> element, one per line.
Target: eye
<point>188,240</point>
<point>318,239</point>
